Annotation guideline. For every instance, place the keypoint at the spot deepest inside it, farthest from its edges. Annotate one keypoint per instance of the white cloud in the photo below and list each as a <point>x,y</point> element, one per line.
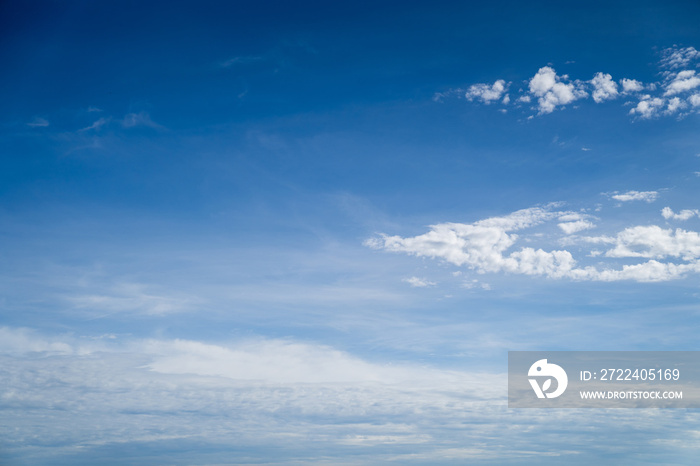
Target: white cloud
<point>570,217</point>
<point>674,105</point>
<point>573,227</point>
<point>139,398</point>
<point>19,340</point>
<point>648,106</point>
<point>481,245</point>
<point>554,91</point>
<point>488,93</point>
<point>604,87</point>
<point>439,96</point>
<point>38,122</point>
<point>647,196</point>
<point>133,120</point>
<point>674,57</point>
<point>96,125</point>
<point>551,91</point>
<point>142,393</point>
<point>491,246</point>
<point>476,284</point>
<point>651,271</point>
<point>269,361</point>
<point>631,85</point>
<point>682,82</point>
<point>682,215</point>
<point>266,360</point>
<point>128,298</point>
<point>654,242</point>
<point>418,282</point>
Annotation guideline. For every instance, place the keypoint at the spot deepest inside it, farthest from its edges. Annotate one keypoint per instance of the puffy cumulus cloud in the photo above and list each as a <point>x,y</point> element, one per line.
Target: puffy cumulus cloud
<point>667,97</point>
<point>528,261</point>
<point>656,243</point>
<point>648,107</point>
<point>675,105</point>
<point>686,214</point>
<point>488,93</point>
<point>675,57</point>
<point>631,85</point>
<point>647,196</point>
<point>651,271</point>
<point>418,282</point>
<point>574,227</point>
<point>552,91</point>
<point>492,246</point>
<point>604,88</point>
<point>682,82</point>
<point>481,245</point>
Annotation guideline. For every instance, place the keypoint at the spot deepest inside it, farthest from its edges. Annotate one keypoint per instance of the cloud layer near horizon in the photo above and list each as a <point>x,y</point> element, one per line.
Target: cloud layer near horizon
<point>72,400</point>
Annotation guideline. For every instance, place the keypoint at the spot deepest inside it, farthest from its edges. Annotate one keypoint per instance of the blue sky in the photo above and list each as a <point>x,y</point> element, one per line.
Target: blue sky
<point>309,233</point>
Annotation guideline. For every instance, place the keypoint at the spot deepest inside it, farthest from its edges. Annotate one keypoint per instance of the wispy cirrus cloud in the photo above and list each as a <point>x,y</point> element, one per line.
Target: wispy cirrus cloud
<point>38,122</point>
<point>646,196</point>
<point>141,119</point>
<point>98,124</point>
<point>241,60</point>
<point>129,298</point>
